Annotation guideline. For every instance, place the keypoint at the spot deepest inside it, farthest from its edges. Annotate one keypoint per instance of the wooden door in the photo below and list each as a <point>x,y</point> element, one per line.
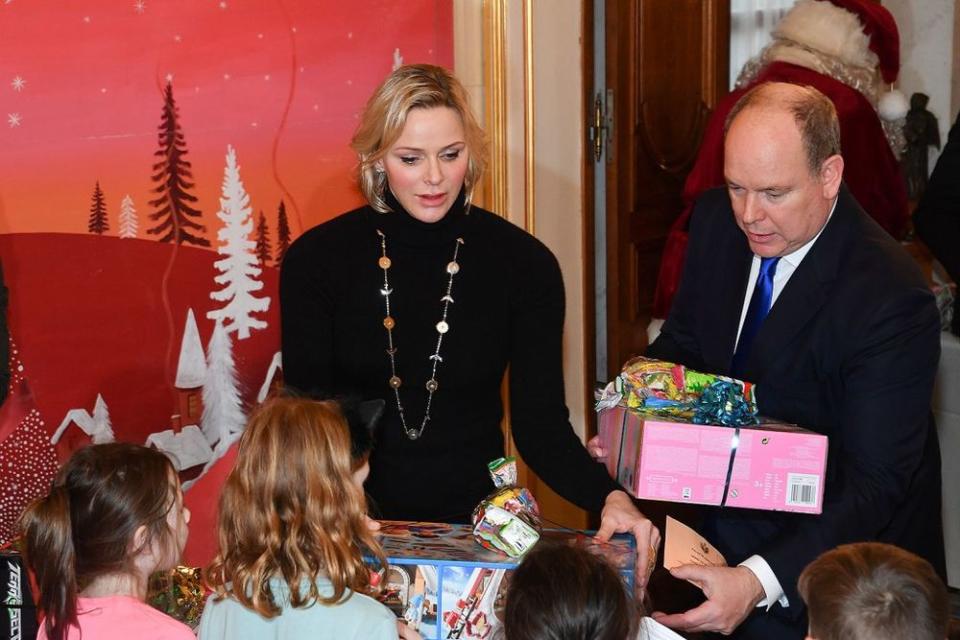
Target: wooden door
<point>666,62</point>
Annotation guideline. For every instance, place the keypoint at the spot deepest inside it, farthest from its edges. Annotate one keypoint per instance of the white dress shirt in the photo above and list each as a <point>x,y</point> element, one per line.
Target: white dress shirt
<point>772,588</point>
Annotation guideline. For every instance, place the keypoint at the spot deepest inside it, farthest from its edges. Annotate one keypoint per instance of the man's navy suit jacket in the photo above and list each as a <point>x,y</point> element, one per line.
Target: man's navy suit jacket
<point>849,349</point>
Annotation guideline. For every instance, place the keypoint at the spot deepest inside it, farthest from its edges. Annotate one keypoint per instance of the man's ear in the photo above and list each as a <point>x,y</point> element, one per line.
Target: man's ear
<point>831,175</point>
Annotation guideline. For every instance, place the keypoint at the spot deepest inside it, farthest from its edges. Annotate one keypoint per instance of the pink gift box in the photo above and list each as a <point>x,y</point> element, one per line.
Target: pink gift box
<point>773,466</point>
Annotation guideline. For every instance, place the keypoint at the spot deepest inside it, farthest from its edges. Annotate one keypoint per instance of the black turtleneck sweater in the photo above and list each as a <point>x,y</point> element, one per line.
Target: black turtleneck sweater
<point>508,311</point>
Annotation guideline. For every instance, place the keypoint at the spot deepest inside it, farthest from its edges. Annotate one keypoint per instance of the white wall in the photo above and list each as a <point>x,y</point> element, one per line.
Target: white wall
<point>557,153</point>
<point>558,144</point>
<point>927,62</point>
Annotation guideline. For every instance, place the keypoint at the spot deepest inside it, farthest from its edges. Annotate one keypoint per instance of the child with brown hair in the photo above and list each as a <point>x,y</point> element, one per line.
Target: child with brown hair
<point>114,516</point>
<point>293,533</point>
<point>564,592</point>
<point>873,591</point>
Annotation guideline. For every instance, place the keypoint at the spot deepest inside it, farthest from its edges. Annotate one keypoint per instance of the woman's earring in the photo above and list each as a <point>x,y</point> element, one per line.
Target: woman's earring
<point>380,179</point>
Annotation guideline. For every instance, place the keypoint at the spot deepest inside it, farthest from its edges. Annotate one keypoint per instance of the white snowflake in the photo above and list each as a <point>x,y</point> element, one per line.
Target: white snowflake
<point>168,77</point>
<point>177,37</point>
<point>86,19</point>
<point>18,83</point>
<point>140,6</point>
<point>266,77</point>
<point>226,76</point>
<point>223,4</point>
<point>13,119</point>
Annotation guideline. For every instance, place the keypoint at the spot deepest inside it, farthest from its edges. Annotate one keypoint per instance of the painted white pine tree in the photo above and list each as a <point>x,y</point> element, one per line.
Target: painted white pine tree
<point>102,429</point>
<point>397,59</point>
<point>239,270</point>
<point>128,218</point>
<point>223,418</point>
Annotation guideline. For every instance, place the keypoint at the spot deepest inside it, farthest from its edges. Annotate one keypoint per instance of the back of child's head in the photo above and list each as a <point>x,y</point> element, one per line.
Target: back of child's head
<point>291,510</point>
<point>86,527</point>
<point>565,592</point>
<point>874,591</point>
<point>361,417</point>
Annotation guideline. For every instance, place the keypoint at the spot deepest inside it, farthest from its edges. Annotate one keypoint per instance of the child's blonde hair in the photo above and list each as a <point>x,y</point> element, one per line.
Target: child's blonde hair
<point>291,510</point>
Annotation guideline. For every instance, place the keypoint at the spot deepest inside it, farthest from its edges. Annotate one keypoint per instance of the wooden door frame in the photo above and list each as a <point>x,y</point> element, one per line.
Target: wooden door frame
<point>588,219</point>
<point>719,57</point>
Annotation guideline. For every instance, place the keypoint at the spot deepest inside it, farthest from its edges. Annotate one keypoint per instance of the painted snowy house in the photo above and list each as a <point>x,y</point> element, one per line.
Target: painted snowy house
<point>186,448</point>
<point>184,442</point>
<point>80,428</point>
<point>191,373</point>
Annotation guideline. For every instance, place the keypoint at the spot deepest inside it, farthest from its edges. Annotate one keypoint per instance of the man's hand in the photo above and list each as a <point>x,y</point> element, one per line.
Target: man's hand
<point>732,593</point>
<point>596,450</point>
<point>620,515</point>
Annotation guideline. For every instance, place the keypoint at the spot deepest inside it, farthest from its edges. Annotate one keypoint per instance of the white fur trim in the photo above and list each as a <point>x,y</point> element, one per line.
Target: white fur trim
<point>823,26</point>
<point>893,105</point>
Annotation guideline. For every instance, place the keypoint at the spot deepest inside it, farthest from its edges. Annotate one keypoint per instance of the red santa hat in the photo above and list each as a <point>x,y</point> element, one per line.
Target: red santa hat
<point>881,28</point>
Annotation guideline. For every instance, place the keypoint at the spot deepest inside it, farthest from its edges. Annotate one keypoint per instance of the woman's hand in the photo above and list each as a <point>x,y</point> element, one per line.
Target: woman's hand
<point>596,450</point>
<point>620,515</point>
<point>406,632</point>
<point>372,524</point>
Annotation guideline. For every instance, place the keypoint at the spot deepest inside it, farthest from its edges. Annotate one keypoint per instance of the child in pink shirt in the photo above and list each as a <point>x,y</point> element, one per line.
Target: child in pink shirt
<point>114,516</point>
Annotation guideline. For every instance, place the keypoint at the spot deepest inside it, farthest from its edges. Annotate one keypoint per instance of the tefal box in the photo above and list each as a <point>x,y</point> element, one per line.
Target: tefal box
<point>772,466</point>
<point>445,585</point>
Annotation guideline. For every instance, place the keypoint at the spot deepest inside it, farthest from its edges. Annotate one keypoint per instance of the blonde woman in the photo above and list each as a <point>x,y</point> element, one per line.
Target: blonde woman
<point>424,300</point>
<point>291,531</point>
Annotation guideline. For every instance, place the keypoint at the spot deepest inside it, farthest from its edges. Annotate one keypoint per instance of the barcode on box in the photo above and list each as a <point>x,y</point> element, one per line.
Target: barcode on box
<point>803,489</point>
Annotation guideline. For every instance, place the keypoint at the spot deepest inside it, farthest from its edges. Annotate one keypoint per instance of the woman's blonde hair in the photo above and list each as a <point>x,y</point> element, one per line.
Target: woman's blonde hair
<point>291,510</point>
<point>413,86</point>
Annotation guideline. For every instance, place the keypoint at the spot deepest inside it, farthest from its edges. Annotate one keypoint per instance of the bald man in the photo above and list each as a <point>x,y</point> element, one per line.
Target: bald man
<point>789,284</point>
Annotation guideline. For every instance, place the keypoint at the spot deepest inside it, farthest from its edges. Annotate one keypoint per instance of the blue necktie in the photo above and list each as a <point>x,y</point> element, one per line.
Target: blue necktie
<point>756,312</point>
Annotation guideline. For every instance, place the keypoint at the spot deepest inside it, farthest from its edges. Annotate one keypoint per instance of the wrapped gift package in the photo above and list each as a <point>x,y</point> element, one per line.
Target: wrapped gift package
<point>508,520</point>
<point>19,620</point>
<point>771,466</point>
<point>445,585</point>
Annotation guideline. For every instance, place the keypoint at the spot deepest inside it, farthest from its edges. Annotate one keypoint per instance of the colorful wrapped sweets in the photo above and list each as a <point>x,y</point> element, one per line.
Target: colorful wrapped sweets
<point>665,389</point>
<point>179,593</point>
<point>508,520</point>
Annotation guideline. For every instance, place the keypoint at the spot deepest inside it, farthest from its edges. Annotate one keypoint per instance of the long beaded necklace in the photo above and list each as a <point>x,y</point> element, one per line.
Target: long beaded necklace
<point>453,267</point>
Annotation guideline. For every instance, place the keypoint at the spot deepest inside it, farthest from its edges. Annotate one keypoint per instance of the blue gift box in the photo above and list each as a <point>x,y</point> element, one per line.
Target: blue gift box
<point>447,586</point>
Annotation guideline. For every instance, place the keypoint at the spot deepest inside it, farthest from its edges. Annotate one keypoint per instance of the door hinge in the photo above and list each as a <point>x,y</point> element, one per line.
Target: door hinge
<point>601,125</point>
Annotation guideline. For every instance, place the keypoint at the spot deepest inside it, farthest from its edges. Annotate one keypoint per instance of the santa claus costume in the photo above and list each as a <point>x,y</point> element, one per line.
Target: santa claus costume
<point>848,50</point>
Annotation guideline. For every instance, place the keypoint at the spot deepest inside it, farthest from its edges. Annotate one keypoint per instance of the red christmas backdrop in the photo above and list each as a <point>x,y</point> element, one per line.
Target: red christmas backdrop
<point>109,111</point>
